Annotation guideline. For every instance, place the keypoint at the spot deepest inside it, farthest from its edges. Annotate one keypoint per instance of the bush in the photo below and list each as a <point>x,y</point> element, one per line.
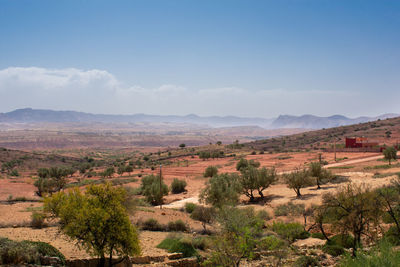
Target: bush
<point>306,261</point>
<point>189,207</point>
<point>176,244</point>
<point>263,214</point>
<point>177,226</point>
<point>46,249</point>
<point>201,242</point>
<point>271,242</point>
<point>26,252</point>
<point>37,220</point>
<point>290,231</point>
<point>14,173</point>
<point>342,240</point>
<point>178,186</point>
<point>289,209</point>
<point>210,171</point>
<point>152,225</point>
<point>333,250</point>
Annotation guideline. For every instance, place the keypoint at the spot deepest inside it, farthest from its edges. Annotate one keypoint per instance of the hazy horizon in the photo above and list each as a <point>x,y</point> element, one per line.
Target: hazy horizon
<point>248,59</point>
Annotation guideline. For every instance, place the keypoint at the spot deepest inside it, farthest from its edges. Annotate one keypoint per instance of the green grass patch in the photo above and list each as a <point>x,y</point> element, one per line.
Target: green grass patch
<point>178,244</point>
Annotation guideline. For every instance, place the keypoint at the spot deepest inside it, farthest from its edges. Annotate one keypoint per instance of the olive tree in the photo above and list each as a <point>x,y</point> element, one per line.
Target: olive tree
<point>253,179</point>
<point>96,220</point>
<point>390,153</point>
<point>222,189</point>
<point>298,179</point>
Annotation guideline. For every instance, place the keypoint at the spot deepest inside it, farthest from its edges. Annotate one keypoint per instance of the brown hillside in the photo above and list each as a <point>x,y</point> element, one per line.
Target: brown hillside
<point>385,132</point>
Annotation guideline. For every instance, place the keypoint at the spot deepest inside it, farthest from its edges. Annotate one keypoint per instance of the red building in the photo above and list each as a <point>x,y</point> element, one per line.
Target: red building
<point>356,142</point>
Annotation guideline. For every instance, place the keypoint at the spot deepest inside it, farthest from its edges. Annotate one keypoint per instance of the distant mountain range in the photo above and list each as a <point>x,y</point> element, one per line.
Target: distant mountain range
<point>315,122</point>
<point>29,115</point>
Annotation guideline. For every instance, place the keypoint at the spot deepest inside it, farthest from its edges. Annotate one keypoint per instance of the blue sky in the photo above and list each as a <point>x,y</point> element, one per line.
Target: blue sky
<point>247,58</point>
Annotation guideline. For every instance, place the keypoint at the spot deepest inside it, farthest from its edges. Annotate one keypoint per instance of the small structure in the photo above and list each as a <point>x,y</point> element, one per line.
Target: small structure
<point>359,142</point>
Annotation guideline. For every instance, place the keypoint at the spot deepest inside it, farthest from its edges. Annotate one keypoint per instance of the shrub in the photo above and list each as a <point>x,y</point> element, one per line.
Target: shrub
<point>189,207</point>
<point>263,214</point>
<point>210,171</point>
<point>152,225</point>
<point>178,186</point>
<point>176,244</point>
<point>14,173</point>
<point>289,209</point>
<point>290,231</point>
<point>333,250</point>
<point>201,242</point>
<point>271,242</point>
<point>46,249</point>
<point>26,252</point>
<point>37,220</point>
<point>342,240</point>
<point>306,261</point>
<point>177,226</point>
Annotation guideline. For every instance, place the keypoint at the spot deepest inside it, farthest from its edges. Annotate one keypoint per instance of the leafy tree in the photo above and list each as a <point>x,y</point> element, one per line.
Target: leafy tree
<point>390,153</point>
<point>390,199</point>
<point>253,179</point>
<point>129,169</point>
<point>320,174</point>
<point>51,180</point>
<point>205,215</point>
<point>239,237</point>
<point>244,163</point>
<point>121,170</point>
<point>150,188</point>
<point>298,179</point>
<point>222,189</point>
<point>182,145</point>
<point>354,209</point>
<point>210,171</point>
<point>109,172</point>
<point>96,220</point>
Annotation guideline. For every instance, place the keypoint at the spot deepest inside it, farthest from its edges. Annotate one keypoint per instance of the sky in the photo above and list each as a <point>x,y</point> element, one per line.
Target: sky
<point>253,58</point>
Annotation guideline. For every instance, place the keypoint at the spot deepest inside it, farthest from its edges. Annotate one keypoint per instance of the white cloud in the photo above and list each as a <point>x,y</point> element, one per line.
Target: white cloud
<point>99,91</point>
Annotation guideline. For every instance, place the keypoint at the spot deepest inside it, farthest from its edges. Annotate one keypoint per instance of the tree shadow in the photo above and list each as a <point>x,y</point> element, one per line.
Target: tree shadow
<point>304,197</point>
<point>262,201</point>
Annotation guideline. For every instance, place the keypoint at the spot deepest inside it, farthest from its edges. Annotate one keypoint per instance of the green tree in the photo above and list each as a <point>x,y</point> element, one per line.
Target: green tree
<point>253,179</point>
<point>96,220</point>
<point>51,180</point>
<point>244,163</point>
<point>353,209</point>
<point>390,153</point>
<point>205,215</point>
<point>320,174</point>
<point>150,188</point>
<point>298,179</point>
<point>239,237</point>
<point>222,189</point>
<point>109,172</point>
<point>121,170</point>
<point>182,145</point>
